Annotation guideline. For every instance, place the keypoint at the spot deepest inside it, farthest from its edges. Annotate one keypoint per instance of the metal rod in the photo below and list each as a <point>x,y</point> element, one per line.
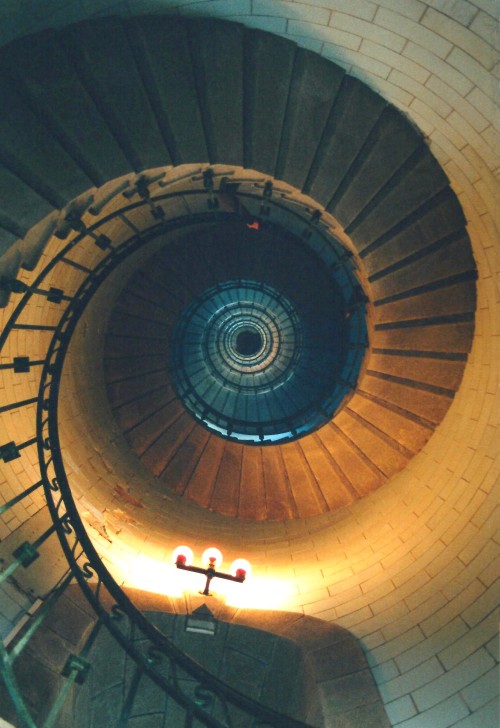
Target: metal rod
<point>27,443</point>
<point>12,688</point>
<point>129,700</point>
<point>15,405</point>
<point>76,265</point>
<point>5,507</point>
<point>34,327</point>
<point>38,362</point>
<point>59,701</point>
<point>33,547</point>
<point>40,616</point>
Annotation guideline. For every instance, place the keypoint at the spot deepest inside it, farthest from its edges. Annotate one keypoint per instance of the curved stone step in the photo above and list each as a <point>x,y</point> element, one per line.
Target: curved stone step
<point>449,300</point>
<point>269,62</point>
<point>162,53</point>
<point>102,56</point>
<point>390,144</point>
<point>355,113</point>
<point>32,153</point>
<point>217,53</point>
<point>128,367</point>
<point>20,208</point>
<point>416,182</point>
<point>313,87</point>
<point>133,410</point>
<point>47,77</point>
<point>151,438</point>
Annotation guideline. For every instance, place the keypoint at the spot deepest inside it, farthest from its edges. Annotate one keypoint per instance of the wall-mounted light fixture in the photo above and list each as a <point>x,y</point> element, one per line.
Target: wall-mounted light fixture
<point>212,557</point>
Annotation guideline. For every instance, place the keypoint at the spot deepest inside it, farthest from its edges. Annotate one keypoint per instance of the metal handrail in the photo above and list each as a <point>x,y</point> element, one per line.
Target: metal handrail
<point>99,587</point>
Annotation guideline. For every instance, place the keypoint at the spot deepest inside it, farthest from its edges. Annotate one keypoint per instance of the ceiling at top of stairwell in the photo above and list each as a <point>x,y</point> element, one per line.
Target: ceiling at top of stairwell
<point>153,92</point>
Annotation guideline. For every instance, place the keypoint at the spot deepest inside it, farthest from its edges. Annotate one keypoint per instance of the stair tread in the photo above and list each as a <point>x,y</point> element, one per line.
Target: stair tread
<point>130,367</point>
<point>443,338</point>
<point>42,68</point>
<point>20,206</point>
<point>103,58</point>
<point>201,482</point>
<point>313,88</point>
<point>161,47</point>
<point>391,142</point>
<point>427,405</point>
<point>130,414</point>
<point>398,200</point>
<point>225,496</point>
<point>280,505</point>
<point>407,433</point>
<point>335,489</point>
<point>452,259</point>
<point>252,496</point>
<point>439,221</point>
<point>432,372</point>
<point>384,455</point>
<point>146,433</point>
<point>123,392</point>
<point>178,472</point>
<point>449,300</point>
<point>157,456</point>
<point>354,114</point>
<point>355,467</point>
<point>32,152</point>
<point>268,68</point>
<point>306,494</point>
<point>217,50</point>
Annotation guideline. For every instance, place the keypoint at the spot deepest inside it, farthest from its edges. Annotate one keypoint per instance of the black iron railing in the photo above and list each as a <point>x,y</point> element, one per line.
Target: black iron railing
<point>155,656</point>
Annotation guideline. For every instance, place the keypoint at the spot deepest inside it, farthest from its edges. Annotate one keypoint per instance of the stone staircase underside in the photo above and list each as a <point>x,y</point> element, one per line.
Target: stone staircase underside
<point>108,98</point>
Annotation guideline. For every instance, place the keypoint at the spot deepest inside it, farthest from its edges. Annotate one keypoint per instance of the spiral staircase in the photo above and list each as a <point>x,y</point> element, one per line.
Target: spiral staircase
<point>195,176</point>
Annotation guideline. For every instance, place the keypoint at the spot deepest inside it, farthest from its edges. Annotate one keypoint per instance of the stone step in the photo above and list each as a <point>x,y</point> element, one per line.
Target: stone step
<point>314,85</point>
<point>163,449</point>
<point>32,153</point>
<point>416,182</point>
<point>269,62</point>
<point>127,367</point>
<point>102,56</point>
<point>162,53</point>
<point>355,113</point>
<point>144,436</point>
<point>390,143</point>
<point>133,410</point>
<point>48,79</point>
<point>130,390</point>
<point>217,53</point>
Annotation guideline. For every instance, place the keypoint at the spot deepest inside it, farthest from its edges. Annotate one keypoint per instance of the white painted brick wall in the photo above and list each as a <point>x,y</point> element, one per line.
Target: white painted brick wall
<point>460,36</point>
<point>443,715</point>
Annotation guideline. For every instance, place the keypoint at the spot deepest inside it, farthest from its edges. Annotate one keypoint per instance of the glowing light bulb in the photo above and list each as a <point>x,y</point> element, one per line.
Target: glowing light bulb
<point>241,568</point>
<point>212,553</point>
<point>182,555</point>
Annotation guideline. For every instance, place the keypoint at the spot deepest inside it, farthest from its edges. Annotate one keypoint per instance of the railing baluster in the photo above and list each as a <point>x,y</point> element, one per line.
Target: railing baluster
<point>129,700</point>
<point>10,681</point>
<point>16,405</point>
<point>40,616</point>
<point>34,327</point>
<point>6,506</point>
<point>22,364</point>
<point>27,553</point>
<point>75,670</point>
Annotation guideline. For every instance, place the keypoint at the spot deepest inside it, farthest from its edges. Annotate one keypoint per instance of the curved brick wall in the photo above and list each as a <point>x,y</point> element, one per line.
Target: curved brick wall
<point>410,570</point>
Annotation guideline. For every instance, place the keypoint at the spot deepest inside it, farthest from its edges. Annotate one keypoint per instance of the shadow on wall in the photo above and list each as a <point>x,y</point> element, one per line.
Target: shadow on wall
<point>297,665</point>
